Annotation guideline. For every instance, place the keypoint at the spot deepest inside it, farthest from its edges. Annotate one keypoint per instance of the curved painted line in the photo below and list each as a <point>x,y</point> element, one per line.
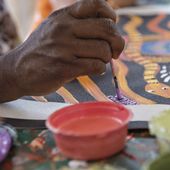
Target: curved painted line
<point>131,29</point>
<point>153,66</point>
<point>161,59</point>
<point>67,96</point>
<point>122,73</point>
<point>154,25</point>
<point>40,98</point>
<point>92,88</point>
<point>155,37</point>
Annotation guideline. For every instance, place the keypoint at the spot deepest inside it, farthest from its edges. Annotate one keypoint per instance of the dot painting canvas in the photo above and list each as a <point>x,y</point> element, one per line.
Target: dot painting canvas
<point>143,70</point>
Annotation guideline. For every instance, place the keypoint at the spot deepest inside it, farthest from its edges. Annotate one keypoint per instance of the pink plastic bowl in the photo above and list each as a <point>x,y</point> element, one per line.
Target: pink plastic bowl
<point>90,146</point>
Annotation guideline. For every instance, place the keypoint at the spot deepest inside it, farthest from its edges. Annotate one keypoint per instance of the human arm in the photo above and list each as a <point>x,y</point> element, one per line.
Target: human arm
<point>75,41</point>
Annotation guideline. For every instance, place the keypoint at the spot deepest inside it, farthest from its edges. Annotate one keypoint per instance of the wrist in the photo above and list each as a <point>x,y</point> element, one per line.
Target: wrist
<point>9,89</point>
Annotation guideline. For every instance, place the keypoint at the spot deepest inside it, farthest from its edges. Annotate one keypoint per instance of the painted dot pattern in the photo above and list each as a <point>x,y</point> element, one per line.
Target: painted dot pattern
<point>124,100</point>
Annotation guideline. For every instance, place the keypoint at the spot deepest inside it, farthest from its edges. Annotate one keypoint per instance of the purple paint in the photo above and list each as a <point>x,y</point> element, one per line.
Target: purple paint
<point>123,100</point>
<point>5,143</point>
<point>119,96</point>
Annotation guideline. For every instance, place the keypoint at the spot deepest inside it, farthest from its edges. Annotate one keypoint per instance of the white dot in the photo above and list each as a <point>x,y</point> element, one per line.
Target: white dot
<point>164,75</point>
<point>167,79</point>
<point>164,67</point>
<point>3,151</point>
<point>163,71</point>
<point>5,142</point>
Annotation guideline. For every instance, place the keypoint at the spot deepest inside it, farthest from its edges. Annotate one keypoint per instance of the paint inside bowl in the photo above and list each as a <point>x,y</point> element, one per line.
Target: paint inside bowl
<point>90,125</point>
<point>90,131</point>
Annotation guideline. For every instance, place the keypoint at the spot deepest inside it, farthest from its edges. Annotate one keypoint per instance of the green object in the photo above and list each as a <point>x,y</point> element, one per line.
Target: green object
<point>162,163</point>
<point>160,127</point>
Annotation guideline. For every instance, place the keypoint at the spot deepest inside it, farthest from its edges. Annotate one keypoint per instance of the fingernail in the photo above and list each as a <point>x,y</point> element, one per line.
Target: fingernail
<point>103,73</point>
<point>116,55</point>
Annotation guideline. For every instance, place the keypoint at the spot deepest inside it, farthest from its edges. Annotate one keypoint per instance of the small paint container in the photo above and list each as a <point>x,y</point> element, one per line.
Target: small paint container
<point>90,131</point>
<point>8,137</point>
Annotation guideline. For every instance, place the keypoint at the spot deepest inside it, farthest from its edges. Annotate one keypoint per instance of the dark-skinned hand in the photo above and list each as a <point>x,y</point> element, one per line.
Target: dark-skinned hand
<point>74,41</point>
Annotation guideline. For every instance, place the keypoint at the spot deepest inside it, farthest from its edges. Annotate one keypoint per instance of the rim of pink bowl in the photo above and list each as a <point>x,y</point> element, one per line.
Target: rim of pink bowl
<point>58,131</point>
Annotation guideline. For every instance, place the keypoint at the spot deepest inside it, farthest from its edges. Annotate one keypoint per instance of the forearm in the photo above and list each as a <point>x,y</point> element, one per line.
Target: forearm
<point>8,85</point>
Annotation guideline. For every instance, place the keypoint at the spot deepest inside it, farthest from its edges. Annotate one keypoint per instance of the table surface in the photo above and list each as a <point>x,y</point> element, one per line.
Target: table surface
<point>36,150</point>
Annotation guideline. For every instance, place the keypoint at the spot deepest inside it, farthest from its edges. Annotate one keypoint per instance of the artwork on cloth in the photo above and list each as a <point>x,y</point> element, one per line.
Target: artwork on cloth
<point>143,70</point>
